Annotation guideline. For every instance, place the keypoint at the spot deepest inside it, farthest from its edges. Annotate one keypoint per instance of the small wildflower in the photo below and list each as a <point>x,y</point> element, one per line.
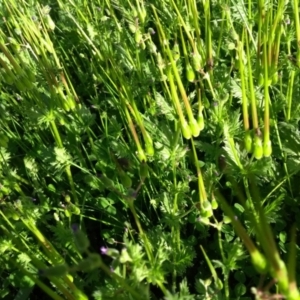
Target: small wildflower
<point>151,31</point>
<point>103,250</point>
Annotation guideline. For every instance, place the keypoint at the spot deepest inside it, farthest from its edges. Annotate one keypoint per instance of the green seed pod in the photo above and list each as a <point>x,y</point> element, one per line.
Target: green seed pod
<point>73,209</point>
<point>149,149</point>
<point>200,121</point>
<point>259,262</point>
<point>81,241</point>
<point>93,261</point>
<point>70,277</point>
<point>138,36</point>
<point>79,295</point>
<point>56,271</point>
<point>248,141</point>
<point>186,131</point>
<point>15,216</point>
<point>258,148</point>
<point>226,220</point>
<point>141,155</point>
<point>196,60</point>
<point>214,204</point>
<point>195,129</point>
<point>190,74</point>
<point>62,121</point>
<point>132,27</point>
<point>219,284</point>
<point>207,213</point>
<point>206,205</point>
<point>56,216</point>
<point>67,213</point>
<point>144,172</point>
<point>71,102</point>
<point>204,220</point>
<point>125,179</point>
<point>152,47</point>
<point>49,22</point>
<point>67,198</point>
<point>142,15</point>
<point>267,148</point>
<point>176,52</point>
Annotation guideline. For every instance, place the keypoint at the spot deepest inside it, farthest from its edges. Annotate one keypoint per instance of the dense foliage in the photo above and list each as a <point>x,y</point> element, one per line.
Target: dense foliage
<point>149,149</point>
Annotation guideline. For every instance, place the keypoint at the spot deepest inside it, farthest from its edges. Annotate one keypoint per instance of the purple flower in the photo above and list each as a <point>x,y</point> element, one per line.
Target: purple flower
<point>103,250</point>
<point>74,228</point>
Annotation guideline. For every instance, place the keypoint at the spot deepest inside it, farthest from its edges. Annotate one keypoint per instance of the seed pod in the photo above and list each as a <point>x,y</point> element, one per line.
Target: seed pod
<point>200,121</point>
<point>219,284</point>
<point>196,60</point>
<point>226,220</point>
<point>67,213</point>
<point>73,209</point>
<point>195,129</point>
<point>49,22</point>
<point>71,102</point>
<point>206,213</point>
<point>259,262</point>
<point>144,172</point>
<point>176,52</point>
<point>214,204</point>
<point>248,141</point>
<point>138,36</point>
<point>132,27</point>
<point>93,261</point>
<point>125,179</point>
<point>142,15</point>
<point>190,74</point>
<point>70,277</point>
<point>258,148</point>
<point>67,198</point>
<point>186,131</point>
<point>81,241</point>
<point>267,148</point>
<point>15,216</point>
<point>149,145</point>
<point>141,155</point>
<point>56,216</point>
<point>204,220</point>
<point>56,271</point>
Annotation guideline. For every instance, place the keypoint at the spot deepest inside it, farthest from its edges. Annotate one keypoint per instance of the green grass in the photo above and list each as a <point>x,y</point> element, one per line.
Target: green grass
<point>149,150</point>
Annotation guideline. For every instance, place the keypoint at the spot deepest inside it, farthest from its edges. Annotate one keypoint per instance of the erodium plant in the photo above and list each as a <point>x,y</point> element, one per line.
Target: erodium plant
<point>149,150</point>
